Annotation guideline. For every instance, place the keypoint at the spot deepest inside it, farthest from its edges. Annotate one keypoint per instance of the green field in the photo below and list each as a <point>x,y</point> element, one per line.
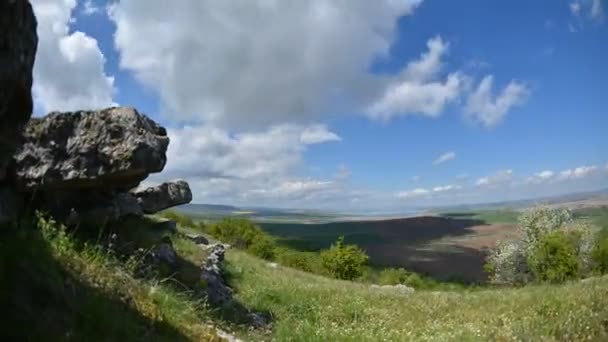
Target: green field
<point>506,216</point>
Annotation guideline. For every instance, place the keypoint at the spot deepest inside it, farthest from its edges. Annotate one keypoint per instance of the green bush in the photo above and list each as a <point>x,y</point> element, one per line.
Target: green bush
<point>304,261</point>
<point>555,257</point>
<point>263,247</point>
<point>239,232</point>
<point>344,261</point>
<point>394,276</point>
<point>600,252</point>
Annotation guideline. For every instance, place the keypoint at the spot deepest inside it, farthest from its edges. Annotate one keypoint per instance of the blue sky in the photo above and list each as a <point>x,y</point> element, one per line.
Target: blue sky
<point>348,105</point>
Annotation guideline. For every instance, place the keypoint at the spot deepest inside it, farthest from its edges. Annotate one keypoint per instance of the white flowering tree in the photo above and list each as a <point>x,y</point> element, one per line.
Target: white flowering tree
<point>508,263</point>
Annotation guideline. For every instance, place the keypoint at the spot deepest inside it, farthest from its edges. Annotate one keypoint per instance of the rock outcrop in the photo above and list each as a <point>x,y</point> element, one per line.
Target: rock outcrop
<point>166,195</point>
<point>18,43</point>
<point>212,277</point>
<point>114,148</point>
<point>79,166</point>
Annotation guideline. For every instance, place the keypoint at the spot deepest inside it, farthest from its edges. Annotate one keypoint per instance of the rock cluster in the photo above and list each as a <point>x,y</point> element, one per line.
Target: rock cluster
<point>84,167</point>
<point>80,166</point>
<point>212,277</point>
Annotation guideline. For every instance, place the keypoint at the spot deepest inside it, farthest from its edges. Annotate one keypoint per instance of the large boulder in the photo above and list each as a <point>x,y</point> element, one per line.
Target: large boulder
<point>166,195</point>
<point>109,149</point>
<point>18,43</point>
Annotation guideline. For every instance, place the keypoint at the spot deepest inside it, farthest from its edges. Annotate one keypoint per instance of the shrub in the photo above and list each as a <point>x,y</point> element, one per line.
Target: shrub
<point>304,261</point>
<point>263,247</point>
<point>599,253</point>
<point>551,248</point>
<point>239,232</point>
<point>555,257</point>
<point>344,261</point>
<point>393,276</point>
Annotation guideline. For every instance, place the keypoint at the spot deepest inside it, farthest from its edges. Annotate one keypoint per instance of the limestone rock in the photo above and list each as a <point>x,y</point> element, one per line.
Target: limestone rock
<point>163,253</point>
<point>215,287</point>
<point>113,148</point>
<point>197,239</point>
<point>18,43</point>
<point>166,195</point>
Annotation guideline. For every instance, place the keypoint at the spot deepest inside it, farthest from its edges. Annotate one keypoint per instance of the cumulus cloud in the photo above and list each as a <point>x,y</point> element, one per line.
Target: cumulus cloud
<point>316,134</point>
<point>419,192</point>
<point>577,173</point>
<point>245,166</point>
<point>489,110</point>
<point>500,177</point>
<point>259,62</point>
<point>427,194</point>
<point>69,70</point>
<point>418,90</point>
<point>445,158</point>
<point>445,188</point>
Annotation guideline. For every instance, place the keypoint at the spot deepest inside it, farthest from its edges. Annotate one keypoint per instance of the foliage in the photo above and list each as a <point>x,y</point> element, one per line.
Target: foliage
<point>553,247</point>
<point>600,252</point>
<point>555,257</point>
<point>394,276</point>
<point>344,261</point>
<point>59,288</point>
<point>263,246</point>
<point>304,261</point>
<point>239,232</point>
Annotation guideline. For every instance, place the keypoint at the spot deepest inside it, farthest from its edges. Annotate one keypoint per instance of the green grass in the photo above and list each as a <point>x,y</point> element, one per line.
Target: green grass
<point>57,288</point>
<point>54,288</point>
<point>313,308</point>
<point>597,216</point>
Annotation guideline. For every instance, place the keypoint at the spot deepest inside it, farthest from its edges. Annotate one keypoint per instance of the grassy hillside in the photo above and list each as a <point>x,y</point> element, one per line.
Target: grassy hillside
<point>312,308</point>
<point>57,287</point>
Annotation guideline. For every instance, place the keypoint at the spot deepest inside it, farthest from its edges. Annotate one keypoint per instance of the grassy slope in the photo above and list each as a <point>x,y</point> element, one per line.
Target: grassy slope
<point>58,291</point>
<point>313,308</point>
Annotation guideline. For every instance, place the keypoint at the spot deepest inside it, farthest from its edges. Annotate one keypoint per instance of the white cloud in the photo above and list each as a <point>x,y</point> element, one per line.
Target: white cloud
<point>235,168</point>
<point>577,173</point>
<point>316,134</point>
<point>419,192</point>
<point>89,8</point>
<point>69,70</point>
<point>445,158</point>
<point>488,110</point>
<point>418,91</point>
<point>445,188</point>
<point>252,63</point>
<point>499,178</point>
<point>416,179</point>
